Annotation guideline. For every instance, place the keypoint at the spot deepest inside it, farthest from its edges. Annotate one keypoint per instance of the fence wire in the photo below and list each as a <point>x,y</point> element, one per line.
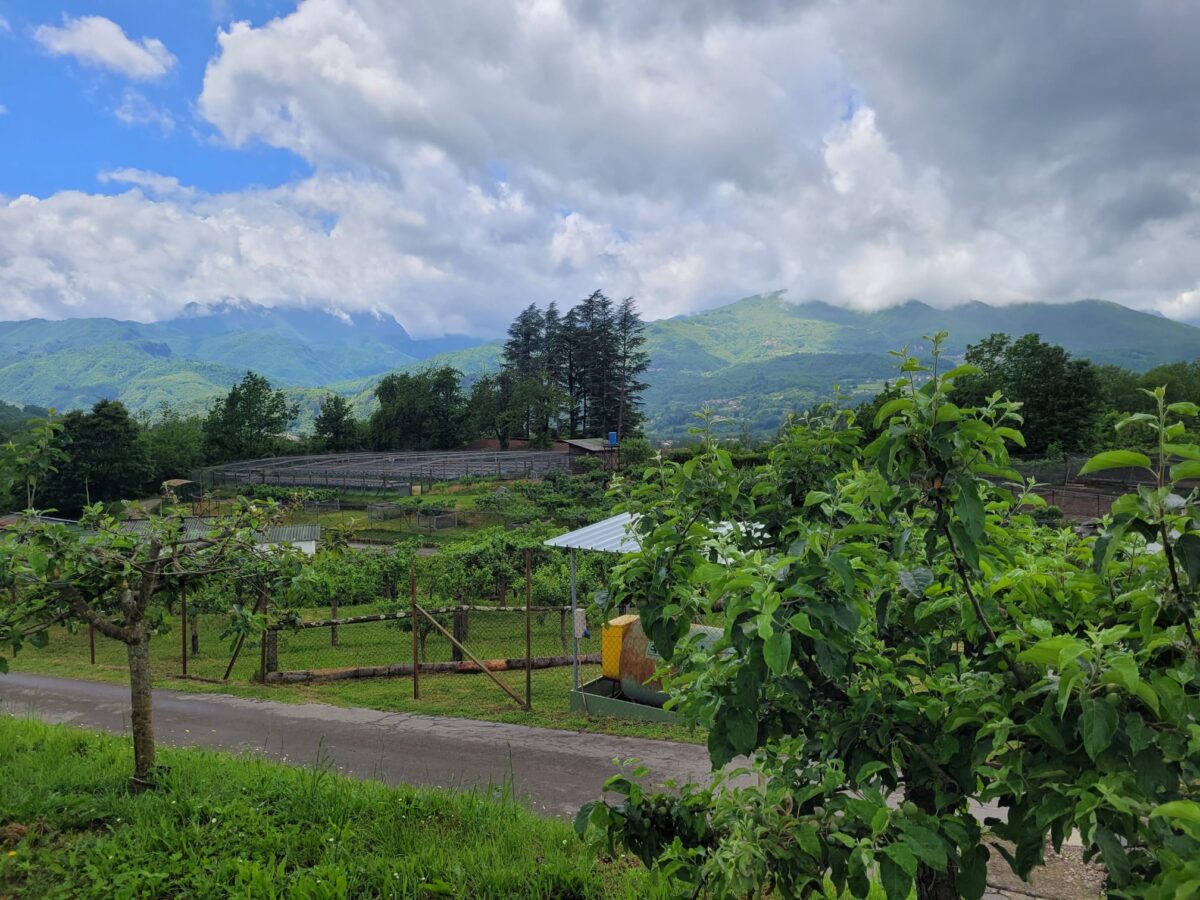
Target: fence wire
<point>494,636</point>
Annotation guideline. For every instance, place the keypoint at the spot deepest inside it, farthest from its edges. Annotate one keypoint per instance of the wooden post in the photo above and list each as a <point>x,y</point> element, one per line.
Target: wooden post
<point>460,633</point>
<point>92,642</point>
<point>271,643</point>
<point>528,630</point>
<point>237,649</point>
<point>412,584</point>
<point>183,628</point>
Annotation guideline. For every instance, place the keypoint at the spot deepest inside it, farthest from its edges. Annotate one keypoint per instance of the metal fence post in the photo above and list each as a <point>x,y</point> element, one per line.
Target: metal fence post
<point>92,642</point>
<point>262,650</point>
<point>574,631</point>
<point>528,629</point>
<point>183,627</point>
<point>416,647</point>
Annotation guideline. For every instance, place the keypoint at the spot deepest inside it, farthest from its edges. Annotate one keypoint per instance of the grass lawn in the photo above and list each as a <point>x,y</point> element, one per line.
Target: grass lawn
<point>221,826</point>
<point>468,696</point>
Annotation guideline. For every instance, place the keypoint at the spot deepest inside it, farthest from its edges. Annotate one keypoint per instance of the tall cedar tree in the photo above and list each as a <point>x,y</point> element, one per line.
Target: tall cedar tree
<point>632,363</point>
<point>578,374</point>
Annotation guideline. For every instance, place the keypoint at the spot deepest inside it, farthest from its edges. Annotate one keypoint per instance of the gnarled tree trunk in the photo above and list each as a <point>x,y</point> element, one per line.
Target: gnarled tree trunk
<point>142,711</point>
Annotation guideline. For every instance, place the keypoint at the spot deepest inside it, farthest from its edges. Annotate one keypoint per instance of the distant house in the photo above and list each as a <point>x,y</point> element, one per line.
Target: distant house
<point>600,449</point>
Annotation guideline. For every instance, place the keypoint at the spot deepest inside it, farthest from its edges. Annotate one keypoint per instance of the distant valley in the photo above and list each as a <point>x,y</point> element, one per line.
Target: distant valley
<point>752,361</point>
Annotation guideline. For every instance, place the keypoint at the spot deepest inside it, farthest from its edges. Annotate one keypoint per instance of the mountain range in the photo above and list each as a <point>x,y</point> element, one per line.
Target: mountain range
<point>752,360</point>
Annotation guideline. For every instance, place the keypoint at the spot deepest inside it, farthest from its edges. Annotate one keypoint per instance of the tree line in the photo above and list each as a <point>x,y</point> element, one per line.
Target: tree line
<point>1068,404</point>
<point>561,376</point>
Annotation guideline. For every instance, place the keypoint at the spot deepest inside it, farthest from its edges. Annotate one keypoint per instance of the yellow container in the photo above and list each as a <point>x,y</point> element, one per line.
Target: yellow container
<point>612,636</point>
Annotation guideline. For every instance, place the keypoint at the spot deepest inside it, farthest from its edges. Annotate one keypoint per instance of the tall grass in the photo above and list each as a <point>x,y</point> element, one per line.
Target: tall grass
<point>221,826</point>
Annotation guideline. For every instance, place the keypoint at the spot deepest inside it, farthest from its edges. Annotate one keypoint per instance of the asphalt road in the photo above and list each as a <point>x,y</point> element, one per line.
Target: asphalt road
<point>556,771</point>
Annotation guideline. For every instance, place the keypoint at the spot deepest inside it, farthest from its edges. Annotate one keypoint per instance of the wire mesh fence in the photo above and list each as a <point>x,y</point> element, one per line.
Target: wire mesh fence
<point>451,642</point>
<point>388,471</point>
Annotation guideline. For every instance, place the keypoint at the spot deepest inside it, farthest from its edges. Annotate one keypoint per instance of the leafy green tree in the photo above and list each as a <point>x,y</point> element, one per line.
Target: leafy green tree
<point>104,459</point>
<point>15,421</point>
<point>420,411</point>
<point>1060,396</point>
<point>864,413</point>
<point>249,422</point>
<point>335,427</point>
<point>103,575</point>
<point>492,410</point>
<point>902,643</point>
<point>174,443</point>
<point>26,463</point>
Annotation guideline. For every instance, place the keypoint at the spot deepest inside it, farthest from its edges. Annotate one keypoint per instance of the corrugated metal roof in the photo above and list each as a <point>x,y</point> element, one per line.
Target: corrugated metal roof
<point>293,534</point>
<point>612,535</point>
<point>591,445</point>
<point>195,528</point>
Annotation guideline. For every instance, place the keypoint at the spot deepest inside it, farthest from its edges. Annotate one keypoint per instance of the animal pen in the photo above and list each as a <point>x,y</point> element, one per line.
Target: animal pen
<point>391,472</point>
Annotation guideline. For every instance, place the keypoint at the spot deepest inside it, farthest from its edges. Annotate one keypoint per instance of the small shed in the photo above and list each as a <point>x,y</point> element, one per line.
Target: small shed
<point>182,489</point>
<point>612,535</point>
<point>603,449</point>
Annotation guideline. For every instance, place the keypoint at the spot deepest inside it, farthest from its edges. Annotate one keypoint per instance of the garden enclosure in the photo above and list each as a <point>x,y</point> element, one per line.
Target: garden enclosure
<point>392,472</point>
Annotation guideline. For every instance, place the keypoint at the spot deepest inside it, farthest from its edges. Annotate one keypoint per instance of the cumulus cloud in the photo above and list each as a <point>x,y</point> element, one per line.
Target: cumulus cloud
<point>101,42</point>
<point>471,158</point>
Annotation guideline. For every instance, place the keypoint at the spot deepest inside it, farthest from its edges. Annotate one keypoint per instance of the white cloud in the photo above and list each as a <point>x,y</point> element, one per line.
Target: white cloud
<point>5,28</point>
<point>153,182</point>
<point>135,109</point>
<point>97,41</point>
<point>470,158</point>
<point>3,110</point>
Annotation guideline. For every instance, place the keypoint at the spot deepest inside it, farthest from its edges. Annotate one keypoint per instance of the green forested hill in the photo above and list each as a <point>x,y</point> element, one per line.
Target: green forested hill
<point>753,360</point>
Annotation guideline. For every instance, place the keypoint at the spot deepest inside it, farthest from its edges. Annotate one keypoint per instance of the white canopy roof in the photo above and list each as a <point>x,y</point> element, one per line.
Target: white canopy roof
<point>612,535</point>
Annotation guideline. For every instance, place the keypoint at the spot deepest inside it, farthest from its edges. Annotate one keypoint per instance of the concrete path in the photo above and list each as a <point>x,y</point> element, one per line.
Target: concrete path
<point>556,771</point>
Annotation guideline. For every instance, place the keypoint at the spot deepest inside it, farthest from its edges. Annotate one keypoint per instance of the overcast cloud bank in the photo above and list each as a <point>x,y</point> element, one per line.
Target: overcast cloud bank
<point>471,158</point>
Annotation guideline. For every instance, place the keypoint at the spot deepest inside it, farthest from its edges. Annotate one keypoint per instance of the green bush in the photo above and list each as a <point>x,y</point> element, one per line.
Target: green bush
<point>902,645</point>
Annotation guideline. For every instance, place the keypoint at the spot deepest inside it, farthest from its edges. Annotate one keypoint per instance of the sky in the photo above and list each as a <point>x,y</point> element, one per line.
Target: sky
<point>450,162</point>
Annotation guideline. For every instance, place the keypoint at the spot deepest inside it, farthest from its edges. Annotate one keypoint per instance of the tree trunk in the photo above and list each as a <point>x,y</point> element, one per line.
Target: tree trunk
<point>142,712</point>
<point>333,629</point>
<point>932,884</point>
<point>935,885</point>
